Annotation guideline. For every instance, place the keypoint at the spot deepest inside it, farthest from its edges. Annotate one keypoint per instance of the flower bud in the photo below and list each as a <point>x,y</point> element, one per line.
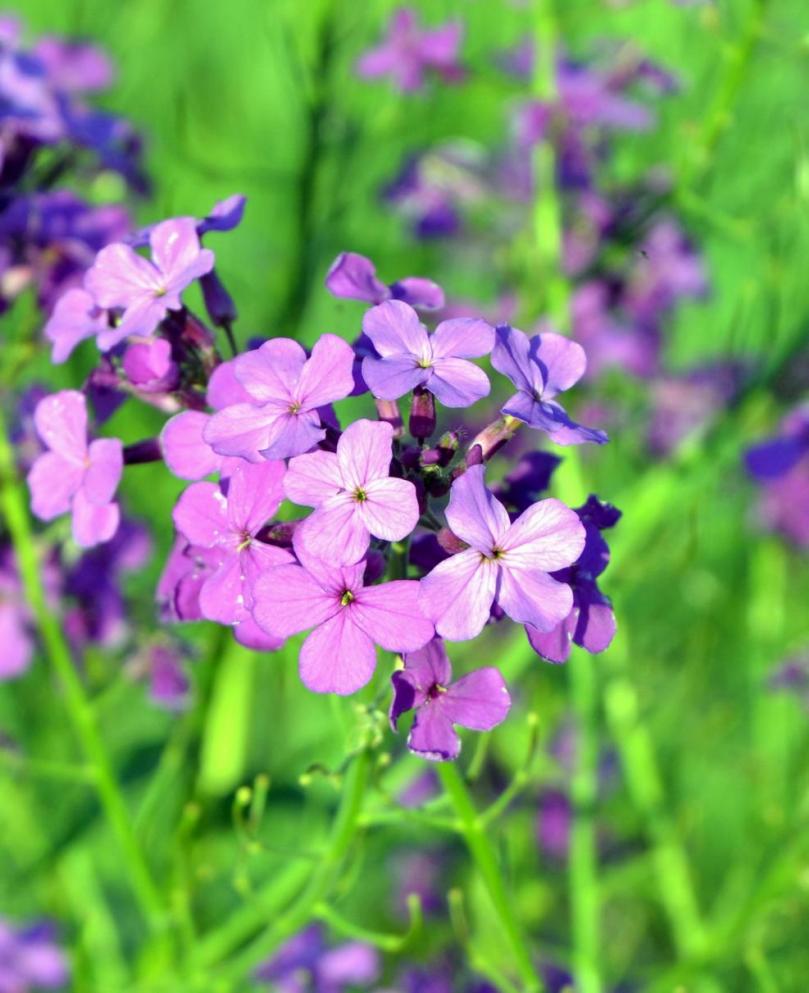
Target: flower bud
<point>422,414</point>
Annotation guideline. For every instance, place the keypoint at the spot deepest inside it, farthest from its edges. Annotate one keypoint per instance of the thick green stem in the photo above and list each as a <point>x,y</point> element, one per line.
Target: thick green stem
<point>480,848</point>
<point>79,707</point>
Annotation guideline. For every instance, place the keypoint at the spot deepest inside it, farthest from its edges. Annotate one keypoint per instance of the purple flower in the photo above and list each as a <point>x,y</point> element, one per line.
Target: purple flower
<point>285,389</point>
<point>506,563</point>
<point>228,523</point>
<point>530,477</point>
<point>777,457</point>
<point>410,357</point>
<point>73,66</point>
<point>591,621</point>
<point>542,367</point>
<point>304,964</point>
<point>72,475</point>
<point>479,701</point>
<point>354,494</point>
<point>30,959</point>
<point>354,277</point>
<point>168,683</point>
<point>410,51</point>
<point>554,821</point>
<point>349,619</point>
<point>144,290</point>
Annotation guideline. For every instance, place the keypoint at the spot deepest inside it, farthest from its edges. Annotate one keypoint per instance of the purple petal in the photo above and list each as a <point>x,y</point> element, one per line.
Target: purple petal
<point>479,700</point>
<point>53,481</point>
<point>775,458</point>
<point>423,294</point>
<point>293,434</point>
<point>354,277</point>
<point>532,597</point>
<point>61,423</point>
<point>255,493</point>
<point>93,523</point>
<point>146,361</point>
<point>18,648</point>
<point>351,964</point>
<point>119,277</point>
<point>395,330</point>
<point>553,645</point>
<point>391,614</point>
<point>337,657</point>
<point>511,357</point>
<point>547,536</point>
<point>328,375</point>
<point>224,388</point>
<point>550,416</point>
<point>563,362</point>
<point>244,430</point>
<point>457,383</point>
<point>406,696</point>
<point>74,318</point>
<point>140,320</point>
<point>439,47</point>
<point>200,515</point>
<point>101,479</point>
<point>221,598</point>
<point>225,215</point>
<point>433,736</point>
<point>249,634</point>
<point>311,479</point>
<point>429,666</point>
<point>364,453</point>
<point>288,600</point>
<point>391,508</point>
<point>391,378</point>
<point>595,628</point>
<point>458,594</point>
<point>271,372</point>
<point>185,452</point>
<point>177,253</point>
<point>462,338</point>
<point>335,532</point>
<point>474,514</point>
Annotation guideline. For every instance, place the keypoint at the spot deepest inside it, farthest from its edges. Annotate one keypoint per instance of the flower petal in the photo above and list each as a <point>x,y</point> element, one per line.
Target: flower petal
<point>354,277</point>
<point>432,735</point>
<point>185,452</point>
<point>511,357</point>
<point>391,508</point>
<point>392,615</point>
<point>221,598</point>
<point>255,493</point>
<point>563,362</point>
<point>243,430</point>
<point>311,479</point>
<point>534,597</point>
<point>457,382</point>
<point>389,379</point>
<point>328,375</point>
<point>200,515</point>
<point>458,594</point>
<point>119,277</point>
<point>294,434</point>
<point>479,700</point>
<point>61,423</point>
<point>462,338</point>
<point>53,481</point>
<point>177,253</point>
<point>271,372</point>
<point>546,537</point>
<point>395,330</point>
<point>104,473</point>
<point>92,523</point>
<point>337,657</point>
<point>474,514</point>
<point>335,532</point>
<point>364,452</point>
<point>288,600</point>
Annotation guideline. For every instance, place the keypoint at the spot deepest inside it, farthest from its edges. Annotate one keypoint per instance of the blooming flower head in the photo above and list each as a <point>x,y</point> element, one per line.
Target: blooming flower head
<point>542,367</point>
<point>73,475</point>
<point>410,51</point>
<point>479,701</point>
<point>354,494</point>
<point>505,563</point>
<point>228,524</point>
<point>349,619</point>
<point>354,277</point>
<point>146,291</point>
<point>285,389</point>
<point>409,357</point>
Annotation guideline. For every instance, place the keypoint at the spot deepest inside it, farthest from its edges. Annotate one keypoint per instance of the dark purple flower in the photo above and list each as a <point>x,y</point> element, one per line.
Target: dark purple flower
<point>542,367</point>
<point>506,563</point>
<point>72,475</point>
<point>410,51</point>
<point>527,480</point>
<point>591,621</point>
<point>478,700</point>
<point>354,277</point>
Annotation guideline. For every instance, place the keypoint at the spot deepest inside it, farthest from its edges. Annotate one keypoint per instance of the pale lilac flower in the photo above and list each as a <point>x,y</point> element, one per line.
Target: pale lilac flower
<point>478,700</point>
<point>353,277</point>
<point>145,290</point>
<point>354,493</point>
<point>506,563</point>
<point>72,475</point>
<point>542,367</point>
<point>410,357</point>
<point>349,619</point>
<point>286,389</point>
<point>228,523</point>
<point>410,51</point>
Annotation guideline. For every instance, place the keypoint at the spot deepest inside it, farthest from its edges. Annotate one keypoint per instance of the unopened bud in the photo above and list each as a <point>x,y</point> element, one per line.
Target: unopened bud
<point>422,414</point>
<point>218,302</point>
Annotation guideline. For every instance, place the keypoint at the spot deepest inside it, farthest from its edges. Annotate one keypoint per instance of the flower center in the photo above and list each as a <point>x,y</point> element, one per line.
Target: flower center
<point>435,691</point>
<point>495,555</point>
<point>161,291</point>
<point>244,540</point>
<point>294,407</point>
<point>425,363</point>
<point>346,598</point>
<point>360,495</point>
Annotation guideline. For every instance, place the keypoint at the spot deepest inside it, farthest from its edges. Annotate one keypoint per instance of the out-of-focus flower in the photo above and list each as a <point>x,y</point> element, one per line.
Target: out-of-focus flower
<point>31,959</point>
<point>410,52</point>
<point>305,964</point>
<point>681,404</point>
<point>15,621</point>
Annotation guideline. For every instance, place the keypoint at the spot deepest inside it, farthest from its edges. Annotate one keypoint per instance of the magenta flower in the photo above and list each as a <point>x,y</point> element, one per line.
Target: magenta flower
<point>410,357</point>
<point>354,494</point>
<point>146,291</point>
<point>72,475</point>
<point>285,389</point>
<point>348,618</point>
<point>353,277</point>
<point>506,563</point>
<point>409,52</point>
<point>542,367</point>
<point>228,523</point>
<point>74,318</point>
<point>479,701</point>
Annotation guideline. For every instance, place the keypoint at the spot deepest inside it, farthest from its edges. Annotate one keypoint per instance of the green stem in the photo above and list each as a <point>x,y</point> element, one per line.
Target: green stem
<point>79,707</point>
<point>482,851</point>
<point>322,880</point>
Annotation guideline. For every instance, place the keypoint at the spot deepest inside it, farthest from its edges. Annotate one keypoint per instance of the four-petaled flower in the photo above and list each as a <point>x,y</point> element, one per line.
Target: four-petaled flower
<point>410,357</point>
<point>542,367</point>
<point>354,494</point>
<point>144,290</point>
<point>228,523</point>
<point>349,619</point>
<point>506,563</point>
<point>479,701</point>
<point>286,389</point>
<point>74,475</point>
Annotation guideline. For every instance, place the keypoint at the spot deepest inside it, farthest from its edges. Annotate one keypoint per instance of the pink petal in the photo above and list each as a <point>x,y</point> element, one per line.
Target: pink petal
<point>249,634</point>
<point>257,559</point>
<point>479,700</point>
<point>546,536</point>
<point>474,514</point>
<point>462,338</point>
<point>378,61</point>
<point>224,388</point>
<point>255,493</point>
<point>311,479</point>
<point>458,383</point>
<point>328,375</point>
<point>429,666</point>
<point>104,473</point>
<point>92,523</point>
<point>533,597</point>
<point>200,515</point>
<point>120,276</point>
<point>243,430</point>
<point>395,330</point>
<point>335,532</point>
<point>432,735</point>
<point>391,508</point>
<point>185,452</point>
<point>364,452</point>
<point>458,594</point>
<point>293,434</point>
<point>140,319</point>
<point>271,372</point>
<point>53,481</point>
<point>177,253</point>
<point>288,600</point>
<point>337,657</point>
<point>392,615</point>
<point>391,378</point>
<point>74,318</point>
<point>61,423</point>
<point>221,598</point>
